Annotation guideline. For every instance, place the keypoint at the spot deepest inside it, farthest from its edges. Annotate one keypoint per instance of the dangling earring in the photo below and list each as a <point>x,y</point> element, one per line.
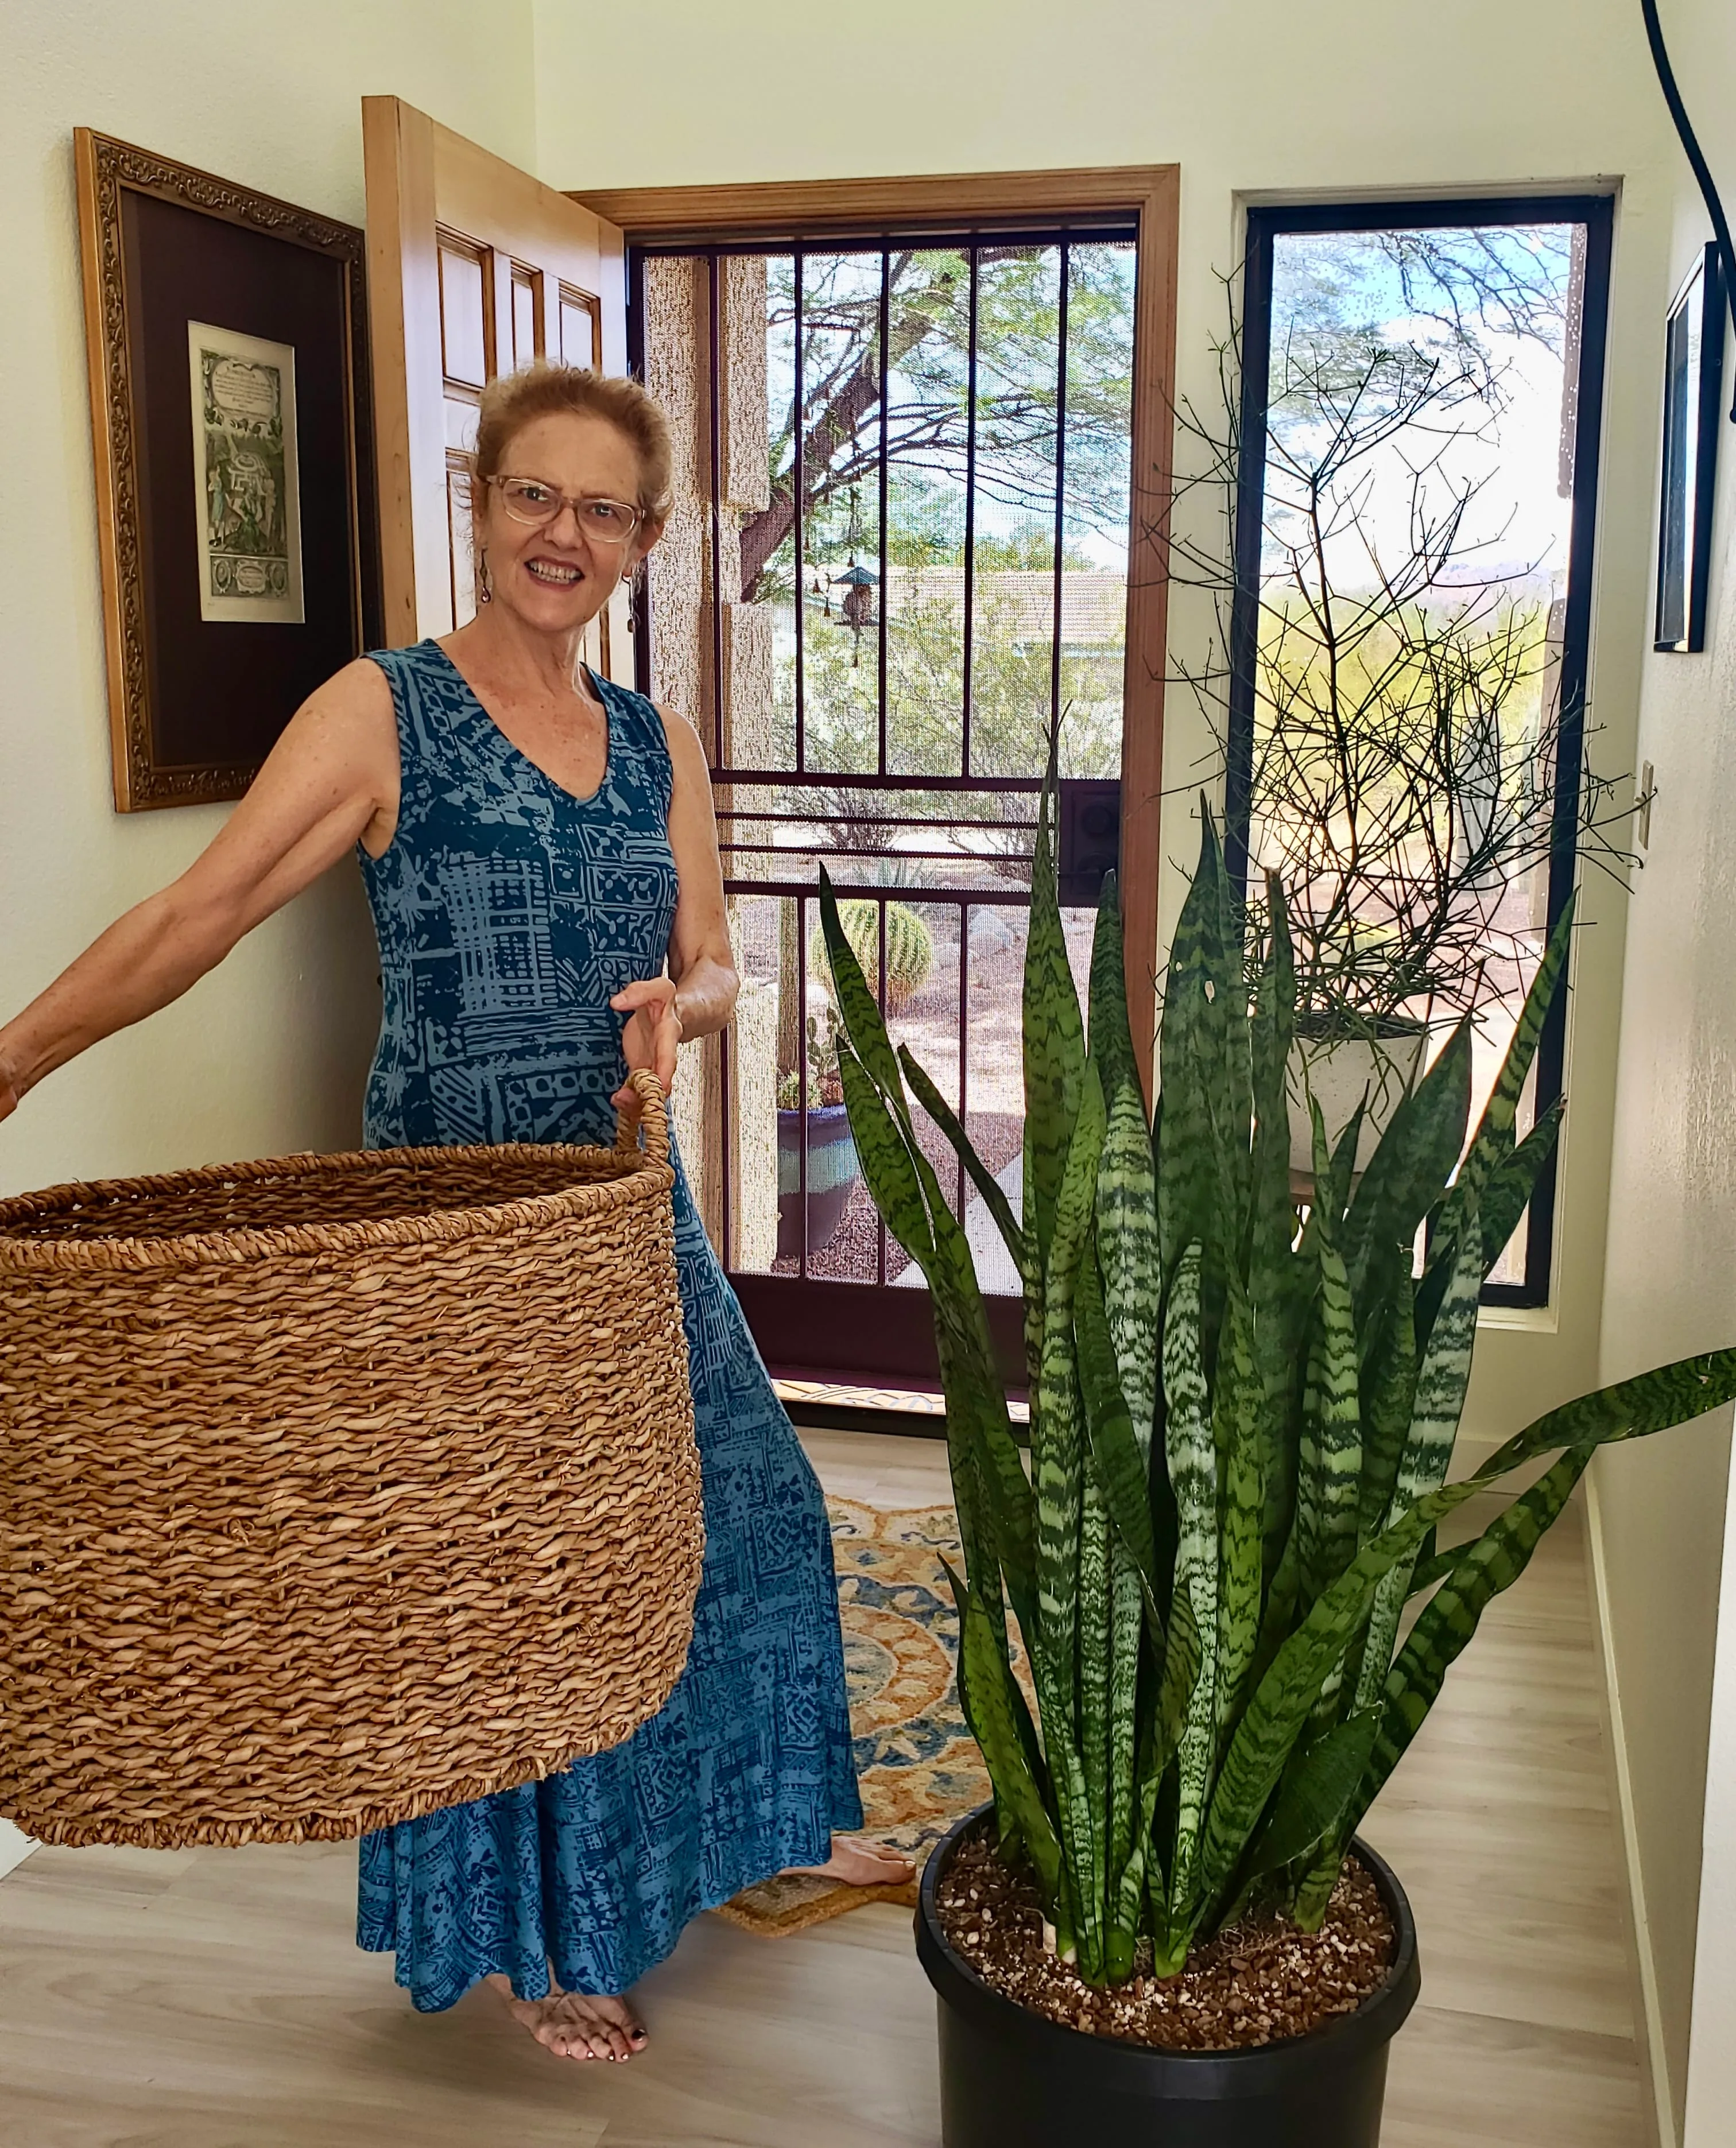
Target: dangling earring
<point>484,580</point>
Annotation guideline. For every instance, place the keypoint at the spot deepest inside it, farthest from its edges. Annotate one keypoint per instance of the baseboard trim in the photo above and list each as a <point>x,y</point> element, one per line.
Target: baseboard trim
<point>14,1847</point>
<point>1649,2014</point>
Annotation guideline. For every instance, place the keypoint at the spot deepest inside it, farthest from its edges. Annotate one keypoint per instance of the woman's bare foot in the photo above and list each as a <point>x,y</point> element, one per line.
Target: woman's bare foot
<point>860,1865</point>
<point>576,2025</point>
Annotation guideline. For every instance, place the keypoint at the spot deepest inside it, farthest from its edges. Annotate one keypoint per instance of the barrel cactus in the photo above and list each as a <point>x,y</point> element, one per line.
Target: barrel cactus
<point>909,949</point>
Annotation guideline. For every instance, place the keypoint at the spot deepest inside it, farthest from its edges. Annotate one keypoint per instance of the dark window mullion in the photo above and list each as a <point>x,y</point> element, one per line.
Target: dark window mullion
<point>880,975</point>
<point>964,1037</point>
<point>801,1078</point>
<point>716,445</point>
<point>727,1115</point>
<point>1061,477</point>
<point>886,322</point>
<point>799,480</point>
<point>970,514</point>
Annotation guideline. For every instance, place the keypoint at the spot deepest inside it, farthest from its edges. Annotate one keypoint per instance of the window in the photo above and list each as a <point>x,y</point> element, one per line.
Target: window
<point>1418,435</point>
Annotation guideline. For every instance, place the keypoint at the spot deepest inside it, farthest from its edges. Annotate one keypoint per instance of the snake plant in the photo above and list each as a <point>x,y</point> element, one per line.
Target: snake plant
<point>1242,1412</point>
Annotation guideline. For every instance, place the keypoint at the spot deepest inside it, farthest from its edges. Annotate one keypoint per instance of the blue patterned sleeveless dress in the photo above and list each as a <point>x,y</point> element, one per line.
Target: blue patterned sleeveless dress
<point>507,912</point>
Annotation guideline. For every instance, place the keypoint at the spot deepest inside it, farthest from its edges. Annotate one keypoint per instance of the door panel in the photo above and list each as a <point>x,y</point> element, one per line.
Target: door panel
<point>475,268</point>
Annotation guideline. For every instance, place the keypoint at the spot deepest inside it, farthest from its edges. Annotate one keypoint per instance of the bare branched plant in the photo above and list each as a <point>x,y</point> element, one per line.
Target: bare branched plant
<point>1397,688</point>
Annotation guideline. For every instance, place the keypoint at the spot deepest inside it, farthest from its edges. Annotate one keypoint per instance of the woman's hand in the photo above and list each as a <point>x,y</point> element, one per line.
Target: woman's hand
<point>651,1038</point>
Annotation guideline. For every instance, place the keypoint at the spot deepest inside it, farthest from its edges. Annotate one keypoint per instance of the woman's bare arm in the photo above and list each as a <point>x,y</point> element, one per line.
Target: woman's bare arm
<point>330,782</point>
<point>698,994</point>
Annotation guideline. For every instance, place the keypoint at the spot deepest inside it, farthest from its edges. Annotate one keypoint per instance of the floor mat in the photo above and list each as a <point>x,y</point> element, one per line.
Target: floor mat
<point>918,1766</point>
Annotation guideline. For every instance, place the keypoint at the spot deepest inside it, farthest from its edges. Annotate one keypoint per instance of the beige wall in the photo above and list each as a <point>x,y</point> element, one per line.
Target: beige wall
<point>1671,1277</point>
<point>267,1054</point>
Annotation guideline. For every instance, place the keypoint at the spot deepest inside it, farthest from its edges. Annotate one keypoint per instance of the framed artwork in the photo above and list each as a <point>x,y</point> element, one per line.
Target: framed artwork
<point>1693,383</point>
<point>228,341</point>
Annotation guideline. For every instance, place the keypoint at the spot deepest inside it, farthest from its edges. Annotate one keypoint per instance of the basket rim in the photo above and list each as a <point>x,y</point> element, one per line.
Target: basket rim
<point>640,1179</point>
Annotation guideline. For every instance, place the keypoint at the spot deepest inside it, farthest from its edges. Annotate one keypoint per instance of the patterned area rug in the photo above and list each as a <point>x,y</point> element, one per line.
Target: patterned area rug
<point>918,1765</point>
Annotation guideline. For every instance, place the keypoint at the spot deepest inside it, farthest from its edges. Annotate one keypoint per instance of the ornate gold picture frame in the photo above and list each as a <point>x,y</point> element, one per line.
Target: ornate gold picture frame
<point>228,340</point>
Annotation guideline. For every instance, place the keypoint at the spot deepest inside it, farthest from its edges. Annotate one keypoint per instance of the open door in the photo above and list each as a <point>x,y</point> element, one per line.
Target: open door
<point>474,269</point>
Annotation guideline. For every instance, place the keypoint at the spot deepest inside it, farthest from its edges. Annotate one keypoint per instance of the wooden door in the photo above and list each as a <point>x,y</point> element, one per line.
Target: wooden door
<point>474,269</point>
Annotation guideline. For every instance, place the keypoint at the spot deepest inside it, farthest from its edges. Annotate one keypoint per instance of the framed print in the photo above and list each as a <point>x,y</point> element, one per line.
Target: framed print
<point>228,341</point>
<point>1692,381</point>
<point>246,475</point>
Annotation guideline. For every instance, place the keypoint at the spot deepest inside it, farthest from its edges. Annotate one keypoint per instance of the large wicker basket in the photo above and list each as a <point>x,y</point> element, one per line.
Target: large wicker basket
<point>337,1488</point>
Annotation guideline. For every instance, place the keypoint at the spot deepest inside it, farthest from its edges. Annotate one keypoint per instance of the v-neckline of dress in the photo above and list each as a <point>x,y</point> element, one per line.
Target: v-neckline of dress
<point>518,753</point>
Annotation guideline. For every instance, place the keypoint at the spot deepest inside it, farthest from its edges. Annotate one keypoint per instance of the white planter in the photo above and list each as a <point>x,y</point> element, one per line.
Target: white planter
<point>1339,1070</point>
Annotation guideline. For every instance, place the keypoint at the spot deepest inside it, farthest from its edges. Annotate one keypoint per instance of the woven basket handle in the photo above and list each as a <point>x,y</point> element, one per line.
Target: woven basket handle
<point>652,1120</point>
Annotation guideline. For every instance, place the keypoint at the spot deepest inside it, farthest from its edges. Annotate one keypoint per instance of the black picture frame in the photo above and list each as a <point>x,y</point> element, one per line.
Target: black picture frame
<point>196,702</point>
<point>1694,353</point>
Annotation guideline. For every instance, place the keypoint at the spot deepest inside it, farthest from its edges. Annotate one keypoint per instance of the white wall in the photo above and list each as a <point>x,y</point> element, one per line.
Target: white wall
<point>267,1054</point>
<point>1671,1287</point>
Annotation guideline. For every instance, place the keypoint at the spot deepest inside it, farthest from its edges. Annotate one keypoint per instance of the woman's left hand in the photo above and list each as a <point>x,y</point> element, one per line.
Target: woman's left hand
<point>651,1037</point>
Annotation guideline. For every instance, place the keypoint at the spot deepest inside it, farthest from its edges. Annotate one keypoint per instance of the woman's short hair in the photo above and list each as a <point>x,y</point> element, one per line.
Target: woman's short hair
<point>514,400</point>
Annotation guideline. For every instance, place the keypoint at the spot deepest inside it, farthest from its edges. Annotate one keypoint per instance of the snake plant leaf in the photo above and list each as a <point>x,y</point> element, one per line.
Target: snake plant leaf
<point>1241,1452</point>
<point>1054,1039</point>
<point>1057,1469</point>
<point>1448,1622</point>
<point>1423,1140</point>
<point>1494,1143</point>
<point>989,1486</point>
<point>864,1023</point>
<point>886,1158</point>
<point>1310,1807</point>
<point>1132,1876</point>
<point>1289,1692</point>
<point>1127,1616</point>
<point>1127,1249</point>
<point>1494,1137</point>
<point>976,1407</point>
<point>1121,1471</point>
<point>1441,1380</point>
<point>1626,1409</point>
<point>1277,1297</point>
<point>1110,1038</point>
<point>1391,1390</point>
<point>1057,1446</point>
<point>988,1185</point>
<point>988,1681</point>
<point>1188,1186</point>
<point>1315,1380</point>
<point>1510,1184</point>
<point>1193,1458</point>
<point>1332,1409</point>
<point>1343,1165</point>
<point>1095,1725</point>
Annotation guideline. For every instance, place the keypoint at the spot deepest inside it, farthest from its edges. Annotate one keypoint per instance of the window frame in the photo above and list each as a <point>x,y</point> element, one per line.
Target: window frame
<point>1266,223</point>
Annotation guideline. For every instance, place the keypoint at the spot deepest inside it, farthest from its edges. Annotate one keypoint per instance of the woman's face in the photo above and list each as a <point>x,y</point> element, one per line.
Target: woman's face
<point>558,576</point>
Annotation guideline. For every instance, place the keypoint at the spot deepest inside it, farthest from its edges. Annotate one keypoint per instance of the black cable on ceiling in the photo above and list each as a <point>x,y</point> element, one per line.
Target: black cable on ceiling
<point>1696,156</point>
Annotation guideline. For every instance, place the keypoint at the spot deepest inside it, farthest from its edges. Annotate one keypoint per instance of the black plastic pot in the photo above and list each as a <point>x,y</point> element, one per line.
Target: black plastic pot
<point>1010,2079</point>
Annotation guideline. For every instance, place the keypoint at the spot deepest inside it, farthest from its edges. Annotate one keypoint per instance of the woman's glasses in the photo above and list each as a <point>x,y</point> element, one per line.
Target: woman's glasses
<point>600,521</point>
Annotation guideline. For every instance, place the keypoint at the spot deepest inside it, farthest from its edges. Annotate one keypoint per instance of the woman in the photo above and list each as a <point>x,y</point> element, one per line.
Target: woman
<point>541,858</point>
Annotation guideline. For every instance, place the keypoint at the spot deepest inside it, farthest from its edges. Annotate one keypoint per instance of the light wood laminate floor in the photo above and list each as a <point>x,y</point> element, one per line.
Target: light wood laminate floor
<point>211,1999</point>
